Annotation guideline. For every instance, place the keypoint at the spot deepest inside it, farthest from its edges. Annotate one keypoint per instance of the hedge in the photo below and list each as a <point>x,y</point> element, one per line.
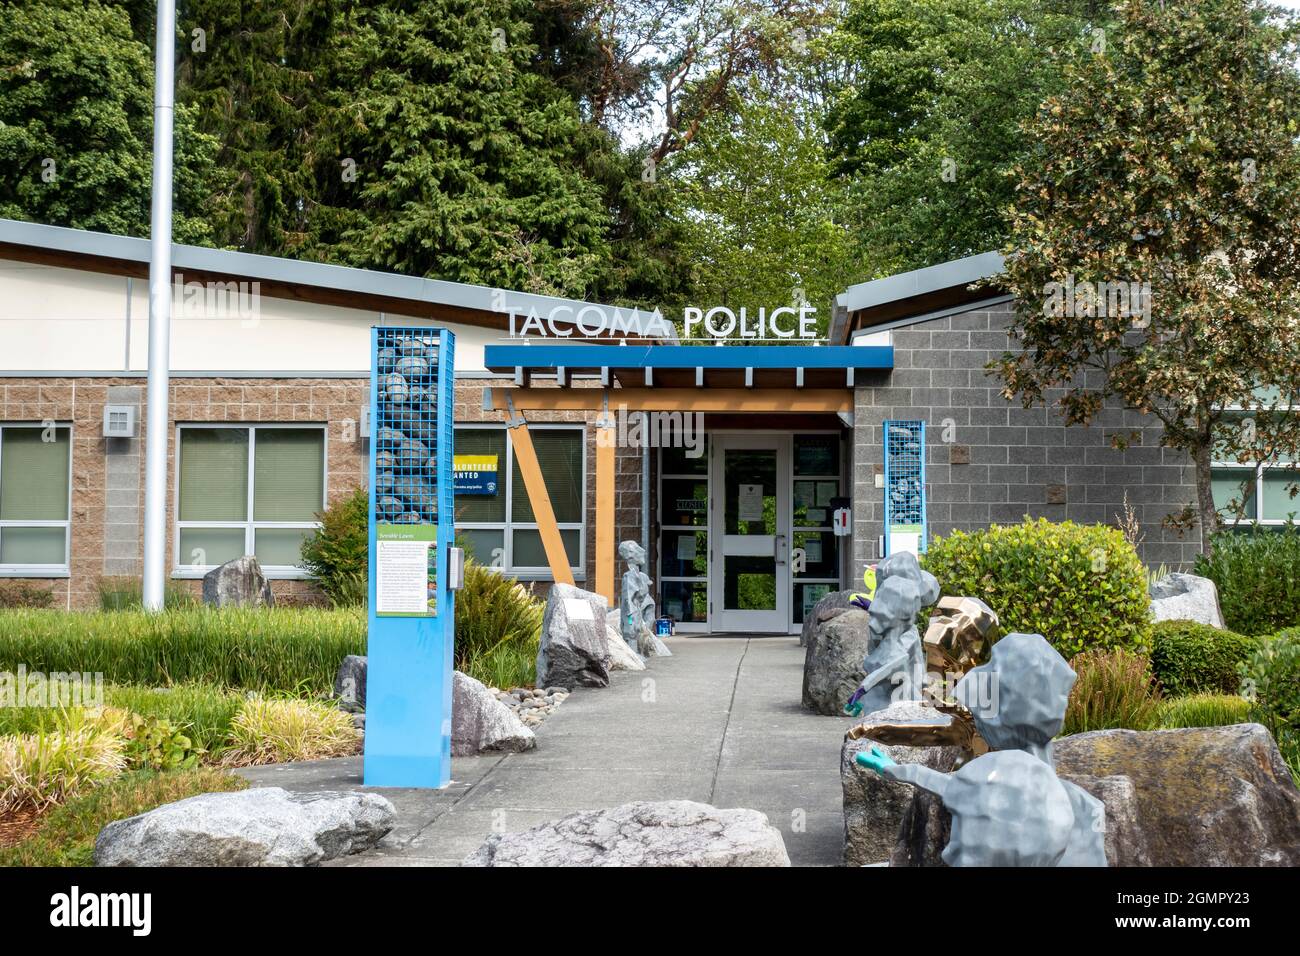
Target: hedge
<point>1192,658</point>
<point>1258,577</point>
<point>1080,586</point>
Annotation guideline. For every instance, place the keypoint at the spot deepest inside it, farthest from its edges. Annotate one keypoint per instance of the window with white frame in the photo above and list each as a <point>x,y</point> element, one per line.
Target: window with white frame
<point>1249,492</point>
<point>251,489</point>
<point>499,527</point>
<point>1255,494</point>
<point>35,490</point>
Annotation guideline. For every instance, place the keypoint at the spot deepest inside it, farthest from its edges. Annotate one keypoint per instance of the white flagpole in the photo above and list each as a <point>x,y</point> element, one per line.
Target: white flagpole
<point>160,310</point>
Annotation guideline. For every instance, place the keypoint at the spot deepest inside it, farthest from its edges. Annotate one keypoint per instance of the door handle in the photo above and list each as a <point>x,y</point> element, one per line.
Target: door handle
<point>777,542</point>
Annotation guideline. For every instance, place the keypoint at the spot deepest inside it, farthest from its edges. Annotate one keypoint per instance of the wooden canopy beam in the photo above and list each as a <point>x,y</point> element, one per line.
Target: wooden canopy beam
<point>547,527</point>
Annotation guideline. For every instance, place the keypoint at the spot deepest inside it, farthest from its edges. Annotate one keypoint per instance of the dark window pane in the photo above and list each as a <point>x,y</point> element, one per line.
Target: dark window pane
<point>684,601</point>
<point>685,502</point>
<point>684,554</point>
<point>816,454</point>
<point>677,461</point>
<point>821,554</point>
<point>559,456</point>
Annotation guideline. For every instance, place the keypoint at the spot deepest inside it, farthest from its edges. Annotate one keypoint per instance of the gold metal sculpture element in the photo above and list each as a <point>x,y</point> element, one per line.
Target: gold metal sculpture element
<point>960,635</point>
<point>958,732</point>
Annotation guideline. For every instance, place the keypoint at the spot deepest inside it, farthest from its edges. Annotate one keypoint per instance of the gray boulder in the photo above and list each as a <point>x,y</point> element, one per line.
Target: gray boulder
<point>832,666</point>
<point>621,655</point>
<point>874,805</point>
<point>264,826</point>
<point>238,583</point>
<point>480,722</point>
<point>831,605</point>
<point>668,833</point>
<point>574,651</point>
<point>650,644</point>
<point>923,832</point>
<point>1205,796</point>
<point>1186,597</point>
<point>350,684</point>
<point>1124,839</point>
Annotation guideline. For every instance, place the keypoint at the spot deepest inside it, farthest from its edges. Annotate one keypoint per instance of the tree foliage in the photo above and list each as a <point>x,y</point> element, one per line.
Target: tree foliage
<point>76,123</point>
<point>1170,160</point>
<point>761,211</point>
<point>926,124</point>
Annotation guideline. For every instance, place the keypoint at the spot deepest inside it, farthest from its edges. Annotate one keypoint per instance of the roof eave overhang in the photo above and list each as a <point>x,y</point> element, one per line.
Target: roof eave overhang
<point>314,282</point>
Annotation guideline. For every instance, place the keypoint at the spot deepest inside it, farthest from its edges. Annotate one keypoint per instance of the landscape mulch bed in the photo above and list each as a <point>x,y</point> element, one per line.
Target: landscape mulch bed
<point>17,825</point>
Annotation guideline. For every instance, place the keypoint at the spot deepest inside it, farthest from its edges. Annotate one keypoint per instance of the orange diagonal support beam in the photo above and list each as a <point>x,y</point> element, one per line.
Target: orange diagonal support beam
<point>526,458</point>
<point>605,438</point>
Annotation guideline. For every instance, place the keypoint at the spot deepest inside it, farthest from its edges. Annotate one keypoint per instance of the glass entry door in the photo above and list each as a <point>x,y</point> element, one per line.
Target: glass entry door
<point>750,515</point>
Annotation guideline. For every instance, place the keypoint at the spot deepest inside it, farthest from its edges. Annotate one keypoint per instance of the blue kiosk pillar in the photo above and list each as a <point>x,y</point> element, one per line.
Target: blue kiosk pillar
<point>411,613</point>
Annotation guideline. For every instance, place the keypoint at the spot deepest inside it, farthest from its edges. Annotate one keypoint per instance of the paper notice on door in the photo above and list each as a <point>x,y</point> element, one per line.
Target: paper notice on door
<point>825,492</point>
<point>750,505</point>
<point>812,549</point>
<point>405,575</point>
<point>686,548</point>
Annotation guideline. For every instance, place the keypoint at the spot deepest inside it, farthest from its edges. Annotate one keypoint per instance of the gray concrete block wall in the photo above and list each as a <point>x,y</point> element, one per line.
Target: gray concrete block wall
<point>1021,461</point>
<point>123,492</point>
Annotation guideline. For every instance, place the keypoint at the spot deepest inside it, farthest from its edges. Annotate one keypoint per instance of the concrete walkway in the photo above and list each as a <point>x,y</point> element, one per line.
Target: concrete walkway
<point>719,722</point>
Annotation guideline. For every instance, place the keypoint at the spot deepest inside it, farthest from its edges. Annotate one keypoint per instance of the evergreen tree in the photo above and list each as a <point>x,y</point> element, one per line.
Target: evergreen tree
<point>258,74</point>
<point>466,160</point>
<point>76,123</point>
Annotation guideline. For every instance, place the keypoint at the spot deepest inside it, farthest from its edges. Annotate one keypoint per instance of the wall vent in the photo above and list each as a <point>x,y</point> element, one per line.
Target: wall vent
<point>119,421</point>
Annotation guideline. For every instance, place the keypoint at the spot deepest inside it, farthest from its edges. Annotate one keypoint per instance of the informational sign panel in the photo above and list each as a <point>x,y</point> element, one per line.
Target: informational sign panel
<point>411,613</point>
<point>406,570</point>
<point>475,474</point>
<point>905,520</point>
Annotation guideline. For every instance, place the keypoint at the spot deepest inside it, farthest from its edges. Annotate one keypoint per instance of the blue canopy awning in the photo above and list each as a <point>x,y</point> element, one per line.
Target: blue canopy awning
<point>699,365</point>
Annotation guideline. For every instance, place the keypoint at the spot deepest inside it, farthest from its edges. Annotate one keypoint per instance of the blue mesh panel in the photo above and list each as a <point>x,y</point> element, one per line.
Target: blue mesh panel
<point>905,476</point>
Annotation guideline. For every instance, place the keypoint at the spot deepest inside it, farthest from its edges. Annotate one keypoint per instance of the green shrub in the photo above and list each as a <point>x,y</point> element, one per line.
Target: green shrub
<point>1190,658</point>
<point>127,594</point>
<point>275,731</point>
<point>66,836</point>
<point>1272,676</point>
<point>1258,577</point>
<point>336,555</point>
<point>47,767</point>
<point>19,594</point>
<point>154,743</point>
<point>285,650</point>
<point>1271,679</point>
<point>1080,586</point>
<point>203,711</point>
<point>1204,710</point>
<point>498,628</point>
<point>1114,690</point>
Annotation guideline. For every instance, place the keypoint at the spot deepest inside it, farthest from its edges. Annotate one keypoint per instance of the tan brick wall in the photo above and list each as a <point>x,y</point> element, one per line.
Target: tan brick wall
<point>334,403</point>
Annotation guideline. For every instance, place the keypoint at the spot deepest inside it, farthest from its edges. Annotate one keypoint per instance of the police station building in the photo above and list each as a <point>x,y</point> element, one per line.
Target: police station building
<point>759,474</point>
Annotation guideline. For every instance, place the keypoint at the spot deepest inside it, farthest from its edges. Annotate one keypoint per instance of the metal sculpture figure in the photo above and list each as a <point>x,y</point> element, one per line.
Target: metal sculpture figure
<point>637,607</point>
<point>895,661</point>
<point>1008,807</point>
